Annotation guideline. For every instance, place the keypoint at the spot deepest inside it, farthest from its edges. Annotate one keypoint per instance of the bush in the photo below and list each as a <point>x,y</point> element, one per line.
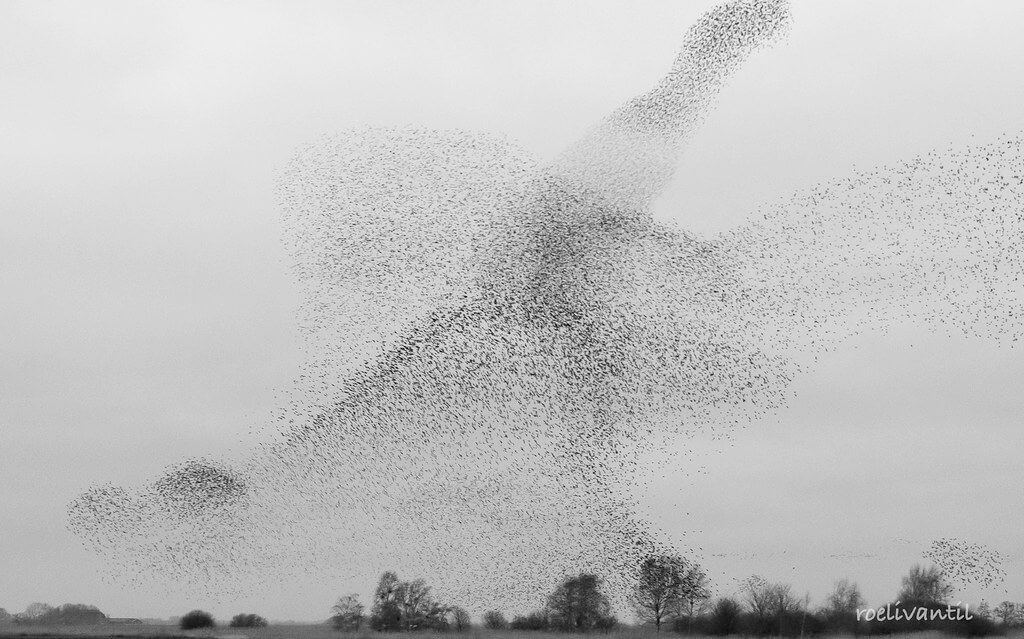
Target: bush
<point>798,623</point>
<point>537,620</point>
<point>494,620</point>
<point>699,625</point>
<point>976,626</point>
<point>196,619</point>
<point>248,621</point>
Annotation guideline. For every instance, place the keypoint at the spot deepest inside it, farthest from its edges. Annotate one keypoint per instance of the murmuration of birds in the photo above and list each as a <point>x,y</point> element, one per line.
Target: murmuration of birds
<point>496,343</point>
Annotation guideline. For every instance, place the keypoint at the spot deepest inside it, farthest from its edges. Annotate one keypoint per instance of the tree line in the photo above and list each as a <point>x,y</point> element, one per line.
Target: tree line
<point>673,592</point>
<point>669,592</point>
<point>43,614</point>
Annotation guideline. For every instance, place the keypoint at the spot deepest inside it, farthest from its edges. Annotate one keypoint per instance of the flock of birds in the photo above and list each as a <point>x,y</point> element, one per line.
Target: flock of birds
<point>494,344</point>
<point>967,564</point>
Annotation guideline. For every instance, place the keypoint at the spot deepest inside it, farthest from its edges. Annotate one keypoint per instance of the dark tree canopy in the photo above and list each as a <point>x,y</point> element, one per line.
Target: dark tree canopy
<point>65,615</point>
<point>196,619</point>
<point>248,620</point>
<point>725,617</point>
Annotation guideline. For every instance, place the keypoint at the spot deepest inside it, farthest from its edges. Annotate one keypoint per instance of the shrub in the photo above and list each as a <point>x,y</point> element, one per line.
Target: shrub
<point>494,620</point>
<point>698,625</point>
<point>537,620</point>
<point>798,623</point>
<point>196,619</point>
<point>976,626</point>
<point>248,621</point>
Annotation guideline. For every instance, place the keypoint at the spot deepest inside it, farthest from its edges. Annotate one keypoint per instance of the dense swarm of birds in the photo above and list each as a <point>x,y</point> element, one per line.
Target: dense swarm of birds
<point>494,343</point>
<point>967,564</point>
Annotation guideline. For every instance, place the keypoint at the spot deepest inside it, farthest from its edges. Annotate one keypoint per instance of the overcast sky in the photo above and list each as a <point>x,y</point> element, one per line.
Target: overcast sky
<point>148,313</point>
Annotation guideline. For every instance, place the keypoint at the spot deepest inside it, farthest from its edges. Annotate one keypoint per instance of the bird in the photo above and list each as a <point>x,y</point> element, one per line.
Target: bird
<point>495,342</point>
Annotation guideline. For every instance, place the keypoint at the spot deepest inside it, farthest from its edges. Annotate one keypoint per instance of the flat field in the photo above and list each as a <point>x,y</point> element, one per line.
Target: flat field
<point>325,631</point>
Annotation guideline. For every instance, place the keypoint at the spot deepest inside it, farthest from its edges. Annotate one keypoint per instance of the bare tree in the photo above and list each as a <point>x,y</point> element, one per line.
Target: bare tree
<point>348,613</point>
<point>461,621</point>
<point>696,593</point>
<point>659,591</point>
<point>925,584</point>
<point>783,601</point>
<point>37,609</point>
<point>414,599</point>
<point>757,595</point>
<point>805,606</point>
<point>1006,612</point>
<point>843,601</point>
<point>985,610</point>
<point>419,610</point>
<point>770,603</point>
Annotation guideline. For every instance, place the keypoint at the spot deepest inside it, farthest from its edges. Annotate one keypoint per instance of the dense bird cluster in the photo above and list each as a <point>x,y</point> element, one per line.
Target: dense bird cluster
<point>495,344</point>
<point>965,563</point>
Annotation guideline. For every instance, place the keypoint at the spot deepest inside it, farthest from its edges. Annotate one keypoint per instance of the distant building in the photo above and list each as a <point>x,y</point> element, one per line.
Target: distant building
<point>123,621</point>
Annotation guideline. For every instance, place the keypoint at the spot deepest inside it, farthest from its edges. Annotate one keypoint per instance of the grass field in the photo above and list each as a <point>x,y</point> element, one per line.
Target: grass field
<point>324,631</point>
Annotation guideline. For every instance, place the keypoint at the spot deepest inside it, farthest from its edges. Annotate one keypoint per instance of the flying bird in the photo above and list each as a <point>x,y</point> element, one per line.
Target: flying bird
<point>495,342</point>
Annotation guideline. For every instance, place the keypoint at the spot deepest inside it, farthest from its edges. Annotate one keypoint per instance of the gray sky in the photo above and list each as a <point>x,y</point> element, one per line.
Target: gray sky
<point>149,310</point>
